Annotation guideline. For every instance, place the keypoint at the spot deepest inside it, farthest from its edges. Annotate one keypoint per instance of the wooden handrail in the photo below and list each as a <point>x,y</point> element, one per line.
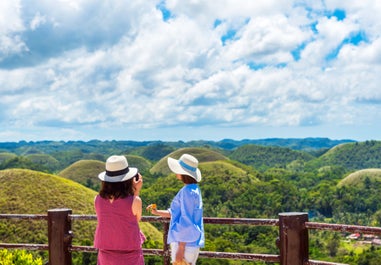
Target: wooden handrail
<point>293,227</point>
<point>344,228</point>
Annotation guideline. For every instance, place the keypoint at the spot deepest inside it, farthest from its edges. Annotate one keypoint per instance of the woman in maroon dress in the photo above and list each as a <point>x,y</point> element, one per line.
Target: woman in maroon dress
<point>119,208</point>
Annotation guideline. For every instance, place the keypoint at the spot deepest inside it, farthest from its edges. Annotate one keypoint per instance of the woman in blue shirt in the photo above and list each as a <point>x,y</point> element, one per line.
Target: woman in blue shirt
<point>186,229</point>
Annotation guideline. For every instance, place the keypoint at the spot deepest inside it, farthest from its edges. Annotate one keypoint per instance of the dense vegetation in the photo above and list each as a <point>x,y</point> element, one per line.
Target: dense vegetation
<point>334,181</point>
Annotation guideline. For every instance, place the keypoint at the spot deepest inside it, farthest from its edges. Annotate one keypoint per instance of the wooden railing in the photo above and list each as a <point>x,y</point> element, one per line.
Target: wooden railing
<point>292,242</point>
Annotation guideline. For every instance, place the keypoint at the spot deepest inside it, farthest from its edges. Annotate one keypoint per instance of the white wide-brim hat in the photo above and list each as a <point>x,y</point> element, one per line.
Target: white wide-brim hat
<point>117,170</point>
<point>186,165</point>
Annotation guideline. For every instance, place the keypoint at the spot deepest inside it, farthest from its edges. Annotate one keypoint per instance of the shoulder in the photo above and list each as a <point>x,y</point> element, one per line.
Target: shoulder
<point>137,200</point>
<point>192,189</point>
<point>97,198</point>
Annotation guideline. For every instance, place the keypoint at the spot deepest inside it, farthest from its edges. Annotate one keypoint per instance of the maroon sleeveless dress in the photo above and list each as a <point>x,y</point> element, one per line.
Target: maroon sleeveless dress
<point>117,237</point>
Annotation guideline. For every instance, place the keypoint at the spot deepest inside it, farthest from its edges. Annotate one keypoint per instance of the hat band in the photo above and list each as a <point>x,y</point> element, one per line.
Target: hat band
<point>117,173</point>
<point>193,169</point>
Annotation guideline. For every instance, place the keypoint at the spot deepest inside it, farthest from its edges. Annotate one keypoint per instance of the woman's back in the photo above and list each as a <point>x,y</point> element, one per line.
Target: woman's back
<point>117,227</point>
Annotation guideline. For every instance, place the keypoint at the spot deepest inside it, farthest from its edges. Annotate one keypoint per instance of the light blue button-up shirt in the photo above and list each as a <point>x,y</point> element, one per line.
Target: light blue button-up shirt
<point>186,217</point>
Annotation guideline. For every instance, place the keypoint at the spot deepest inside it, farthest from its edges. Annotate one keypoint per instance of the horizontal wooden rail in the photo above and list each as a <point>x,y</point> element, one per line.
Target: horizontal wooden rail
<point>240,256</point>
<point>344,228</point>
<point>207,220</point>
<point>316,262</point>
<point>203,254</point>
<point>25,246</point>
<point>288,223</point>
<point>24,216</point>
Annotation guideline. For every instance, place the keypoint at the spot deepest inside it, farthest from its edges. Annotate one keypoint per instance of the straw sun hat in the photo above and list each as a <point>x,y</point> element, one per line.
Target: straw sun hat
<point>186,165</point>
<point>117,170</point>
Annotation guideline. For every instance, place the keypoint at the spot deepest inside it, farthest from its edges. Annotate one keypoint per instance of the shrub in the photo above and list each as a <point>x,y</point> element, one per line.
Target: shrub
<point>18,257</point>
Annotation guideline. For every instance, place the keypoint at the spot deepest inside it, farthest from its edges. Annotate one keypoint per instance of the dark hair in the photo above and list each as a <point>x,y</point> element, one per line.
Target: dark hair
<point>188,179</point>
<point>115,190</point>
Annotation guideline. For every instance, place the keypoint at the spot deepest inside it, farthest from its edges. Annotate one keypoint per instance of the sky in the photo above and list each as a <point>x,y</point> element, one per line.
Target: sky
<point>189,69</point>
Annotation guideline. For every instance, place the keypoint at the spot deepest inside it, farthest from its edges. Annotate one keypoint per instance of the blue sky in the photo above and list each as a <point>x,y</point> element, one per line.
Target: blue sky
<point>189,70</point>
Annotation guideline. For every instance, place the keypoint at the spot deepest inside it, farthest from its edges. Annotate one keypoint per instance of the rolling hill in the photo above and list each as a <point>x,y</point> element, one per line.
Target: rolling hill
<point>45,160</point>
<point>263,157</point>
<point>31,192</point>
<point>4,156</point>
<point>143,164</point>
<point>358,178</point>
<point>84,172</point>
<point>351,156</point>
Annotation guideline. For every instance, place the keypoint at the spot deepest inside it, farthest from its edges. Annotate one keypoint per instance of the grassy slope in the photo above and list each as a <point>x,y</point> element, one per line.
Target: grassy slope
<point>4,156</point>
<point>86,171</point>
<point>140,162</point>
<point>231,180</point>
<point>31,192</point>
<point>45,160</point>
<point>267,156</point>
<point>357,178</point>
<point>352,156</point>
<point>83,171</point>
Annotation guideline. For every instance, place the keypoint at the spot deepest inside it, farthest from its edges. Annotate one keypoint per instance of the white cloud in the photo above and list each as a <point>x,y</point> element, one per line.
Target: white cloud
<point>37,21</point>
<point>266,40</point>
<point>82,66</point>
<point>10,27</point>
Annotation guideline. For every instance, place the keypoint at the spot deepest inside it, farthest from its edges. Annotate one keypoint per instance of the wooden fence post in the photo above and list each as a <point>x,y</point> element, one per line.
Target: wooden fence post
<point>167,253</point>
<point>293,238</point>
<point>59,236</point>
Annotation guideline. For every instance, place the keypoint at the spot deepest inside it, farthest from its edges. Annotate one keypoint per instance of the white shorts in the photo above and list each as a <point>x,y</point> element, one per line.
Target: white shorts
<point>190,254</point>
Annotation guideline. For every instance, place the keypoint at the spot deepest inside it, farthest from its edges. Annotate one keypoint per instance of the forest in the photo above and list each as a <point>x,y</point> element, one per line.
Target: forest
<point>333,181</point>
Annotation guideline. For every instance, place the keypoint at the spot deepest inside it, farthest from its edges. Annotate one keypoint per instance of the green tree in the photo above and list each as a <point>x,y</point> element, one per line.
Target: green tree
<point>333,244</point>
<point>370,257</point>
<point>22,162</point>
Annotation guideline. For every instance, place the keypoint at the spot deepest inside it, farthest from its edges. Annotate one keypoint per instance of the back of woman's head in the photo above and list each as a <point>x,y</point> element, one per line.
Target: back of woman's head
<point>188,179</point>
<point>115,190</point>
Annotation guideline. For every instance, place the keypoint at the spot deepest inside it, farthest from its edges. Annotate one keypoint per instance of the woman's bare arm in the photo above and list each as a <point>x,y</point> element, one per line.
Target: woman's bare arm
<point>162,213</point>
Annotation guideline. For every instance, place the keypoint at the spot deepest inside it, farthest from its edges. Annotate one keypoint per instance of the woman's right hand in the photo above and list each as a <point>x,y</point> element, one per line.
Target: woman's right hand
<point>152,208</point>
<point>154,211</point>
<point>138,184</point>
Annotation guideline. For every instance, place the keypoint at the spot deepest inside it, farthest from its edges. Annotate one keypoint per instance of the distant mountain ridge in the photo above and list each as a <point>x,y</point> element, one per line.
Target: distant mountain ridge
<point>31,147</point>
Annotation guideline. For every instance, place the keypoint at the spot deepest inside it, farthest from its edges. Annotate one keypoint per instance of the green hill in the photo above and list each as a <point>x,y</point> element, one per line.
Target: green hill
<point>153,151</point>
<point>45,160</point>
<point>358,178</point>
<point>222,185</point>
<point>84,172</point>
<point>140,162</point>
<point>31,192</point>
<point>263,157</point>
<point>202,155</point>
<point>351,156</point>
<point>4,156</point>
